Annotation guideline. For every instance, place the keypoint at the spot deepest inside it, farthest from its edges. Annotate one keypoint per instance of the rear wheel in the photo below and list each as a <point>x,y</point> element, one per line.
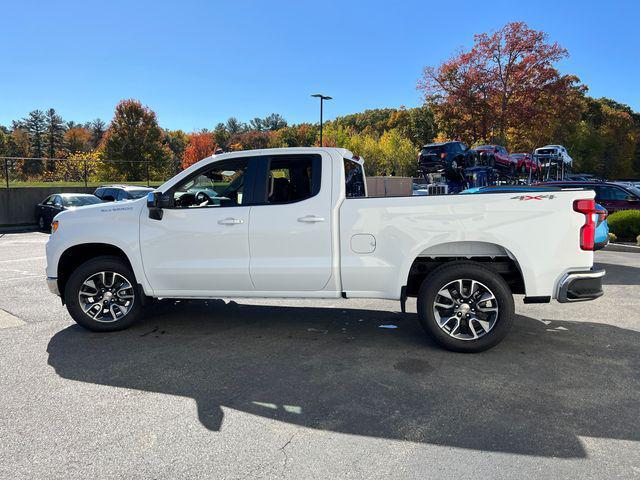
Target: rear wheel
<point>102,295</point>
<point>41,223</point>
<point>465,307</point>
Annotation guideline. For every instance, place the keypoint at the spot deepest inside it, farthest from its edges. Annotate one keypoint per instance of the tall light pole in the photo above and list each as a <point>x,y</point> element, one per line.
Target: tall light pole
<point>322,99</point>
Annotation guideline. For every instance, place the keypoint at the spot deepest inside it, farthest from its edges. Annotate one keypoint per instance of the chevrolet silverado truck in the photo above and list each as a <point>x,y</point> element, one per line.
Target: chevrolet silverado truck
<point>297,223</point>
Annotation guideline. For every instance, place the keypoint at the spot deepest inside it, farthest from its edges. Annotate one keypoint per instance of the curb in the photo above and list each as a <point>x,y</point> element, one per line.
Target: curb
<point>620,247</point>
<point>19,229</point>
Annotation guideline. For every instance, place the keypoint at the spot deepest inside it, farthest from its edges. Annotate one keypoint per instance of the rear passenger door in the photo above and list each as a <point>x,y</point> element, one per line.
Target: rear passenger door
<point>290,226</point>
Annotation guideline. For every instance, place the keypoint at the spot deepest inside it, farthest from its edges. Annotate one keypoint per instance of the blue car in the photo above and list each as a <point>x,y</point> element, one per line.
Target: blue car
<point>602,227</point>
<point>601,239</point>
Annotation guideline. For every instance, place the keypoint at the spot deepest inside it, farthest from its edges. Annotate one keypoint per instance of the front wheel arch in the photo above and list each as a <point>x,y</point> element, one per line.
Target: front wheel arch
<point>76,255</point>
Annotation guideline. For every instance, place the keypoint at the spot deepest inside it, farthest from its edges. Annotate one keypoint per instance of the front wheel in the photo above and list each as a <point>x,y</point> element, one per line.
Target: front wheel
<point>102,295</point>
<point>465,307</point>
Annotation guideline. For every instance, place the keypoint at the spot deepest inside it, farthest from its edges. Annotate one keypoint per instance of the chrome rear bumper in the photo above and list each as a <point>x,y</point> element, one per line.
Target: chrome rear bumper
<point>581,286</point>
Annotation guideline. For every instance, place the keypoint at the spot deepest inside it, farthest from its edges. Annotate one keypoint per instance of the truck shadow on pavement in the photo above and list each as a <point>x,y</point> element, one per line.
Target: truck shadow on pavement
<point>335,369</point>
<point>620,274</point>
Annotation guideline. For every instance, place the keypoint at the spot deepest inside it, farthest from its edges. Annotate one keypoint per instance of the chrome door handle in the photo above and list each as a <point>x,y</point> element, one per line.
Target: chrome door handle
<point>230,221</point>
<point>311,219</point>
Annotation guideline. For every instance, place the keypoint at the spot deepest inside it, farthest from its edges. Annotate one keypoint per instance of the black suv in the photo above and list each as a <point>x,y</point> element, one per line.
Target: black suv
<point>448,157</point>
<point>115,193</point>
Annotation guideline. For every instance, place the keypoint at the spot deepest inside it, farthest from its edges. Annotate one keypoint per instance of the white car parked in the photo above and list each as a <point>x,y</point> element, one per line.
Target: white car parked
<point>555,153</point>
<point>298,223</point>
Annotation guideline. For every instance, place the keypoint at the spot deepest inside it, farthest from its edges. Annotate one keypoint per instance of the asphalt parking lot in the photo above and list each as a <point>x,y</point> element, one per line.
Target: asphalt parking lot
<point>314,389</point>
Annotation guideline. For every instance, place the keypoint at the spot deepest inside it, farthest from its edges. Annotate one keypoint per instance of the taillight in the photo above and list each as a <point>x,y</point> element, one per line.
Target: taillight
<point>588,230</point>
<point>443,155</point>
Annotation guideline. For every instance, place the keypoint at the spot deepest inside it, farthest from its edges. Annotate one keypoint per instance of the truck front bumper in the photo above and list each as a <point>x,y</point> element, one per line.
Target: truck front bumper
<point>581,286</point>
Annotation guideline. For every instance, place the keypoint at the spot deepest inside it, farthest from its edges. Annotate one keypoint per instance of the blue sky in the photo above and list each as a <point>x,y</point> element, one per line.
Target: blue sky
<point>198,63</point>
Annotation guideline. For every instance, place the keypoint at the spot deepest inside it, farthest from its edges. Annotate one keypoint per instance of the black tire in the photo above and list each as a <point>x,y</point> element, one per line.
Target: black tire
<point>85,271</point>
<point>450,272</point>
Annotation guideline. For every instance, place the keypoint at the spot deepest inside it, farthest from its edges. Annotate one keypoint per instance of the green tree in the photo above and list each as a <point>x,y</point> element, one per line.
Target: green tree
<point>399,153</point>
<point>35,125</point>
<point>177,141</point>
<point>274,122</point>
<point>234,125</point>
<point>134,142</point>
<point>221,136</point>
<point>54,136</point>
<point>97,129</point>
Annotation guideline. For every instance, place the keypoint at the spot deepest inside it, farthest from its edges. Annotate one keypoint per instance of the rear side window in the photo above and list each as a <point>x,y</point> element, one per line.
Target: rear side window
<point>292,178</point>
<point>121,195</point>
<point>135,194</point>
<point>610,193</point>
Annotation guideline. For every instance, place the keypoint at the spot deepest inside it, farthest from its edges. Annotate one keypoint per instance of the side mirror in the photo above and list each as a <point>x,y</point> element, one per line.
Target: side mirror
<point>154,199</point>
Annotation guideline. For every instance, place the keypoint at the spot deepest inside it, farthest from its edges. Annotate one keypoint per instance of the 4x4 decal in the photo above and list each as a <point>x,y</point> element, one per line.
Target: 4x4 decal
<point>533,197</point>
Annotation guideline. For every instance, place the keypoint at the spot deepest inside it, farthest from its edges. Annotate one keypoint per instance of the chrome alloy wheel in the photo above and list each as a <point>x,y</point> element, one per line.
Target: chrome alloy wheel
<point>465,309</point>
<point>106,296</point>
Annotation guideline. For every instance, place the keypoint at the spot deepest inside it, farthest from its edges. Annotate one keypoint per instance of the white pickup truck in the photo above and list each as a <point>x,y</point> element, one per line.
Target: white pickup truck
<point>297,223</point>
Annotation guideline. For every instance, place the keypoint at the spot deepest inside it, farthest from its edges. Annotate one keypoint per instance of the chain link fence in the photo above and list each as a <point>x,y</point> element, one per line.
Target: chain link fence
<point>84,171</point>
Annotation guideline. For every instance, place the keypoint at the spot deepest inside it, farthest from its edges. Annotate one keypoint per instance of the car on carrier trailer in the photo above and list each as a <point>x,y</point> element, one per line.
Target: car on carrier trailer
<point>290,223</point>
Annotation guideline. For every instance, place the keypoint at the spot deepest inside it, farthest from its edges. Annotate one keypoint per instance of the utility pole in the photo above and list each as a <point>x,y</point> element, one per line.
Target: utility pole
<point>322,99</point>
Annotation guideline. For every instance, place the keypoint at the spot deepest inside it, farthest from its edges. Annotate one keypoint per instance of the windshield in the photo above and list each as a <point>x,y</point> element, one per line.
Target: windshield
<point>80,201</point>
<point>135,194</point>
<point>432,149</point>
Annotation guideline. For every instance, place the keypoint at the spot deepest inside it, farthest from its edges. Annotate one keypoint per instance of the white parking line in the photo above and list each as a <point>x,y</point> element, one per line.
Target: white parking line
<point>7,320</point>
<point>22,259</point>
<point>20,278</point>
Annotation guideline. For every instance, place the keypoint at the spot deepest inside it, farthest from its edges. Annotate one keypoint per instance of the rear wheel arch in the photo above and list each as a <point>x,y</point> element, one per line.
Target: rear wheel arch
<point>493,256</point>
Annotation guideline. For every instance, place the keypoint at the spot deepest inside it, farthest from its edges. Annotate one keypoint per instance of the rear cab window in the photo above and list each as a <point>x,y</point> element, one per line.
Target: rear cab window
<point>354,179</point>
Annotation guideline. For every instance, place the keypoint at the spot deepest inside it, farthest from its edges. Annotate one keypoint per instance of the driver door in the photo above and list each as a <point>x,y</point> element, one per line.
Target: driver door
<point>200,246</point>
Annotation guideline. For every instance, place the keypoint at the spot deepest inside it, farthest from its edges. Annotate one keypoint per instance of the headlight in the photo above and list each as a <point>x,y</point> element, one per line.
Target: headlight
<point>54,226</point>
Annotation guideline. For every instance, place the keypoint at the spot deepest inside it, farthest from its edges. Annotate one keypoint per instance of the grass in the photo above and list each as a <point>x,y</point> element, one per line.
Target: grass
<point>153,183</point>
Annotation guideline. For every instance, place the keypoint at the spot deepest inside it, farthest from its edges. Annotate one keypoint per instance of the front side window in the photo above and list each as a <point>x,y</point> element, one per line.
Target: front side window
<point>221,185</point>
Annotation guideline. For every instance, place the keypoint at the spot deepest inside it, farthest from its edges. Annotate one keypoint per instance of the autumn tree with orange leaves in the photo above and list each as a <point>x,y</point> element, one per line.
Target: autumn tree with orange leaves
<point>505,89</point>
<point>201,145</point>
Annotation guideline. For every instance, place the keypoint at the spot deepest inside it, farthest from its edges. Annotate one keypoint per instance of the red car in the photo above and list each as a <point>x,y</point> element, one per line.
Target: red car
<point>611,195</point>
<point>496,156</point>
<point>524,162</point>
